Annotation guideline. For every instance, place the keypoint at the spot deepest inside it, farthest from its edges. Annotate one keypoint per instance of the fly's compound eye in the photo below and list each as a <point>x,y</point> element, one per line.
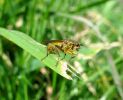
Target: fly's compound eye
<point>78,45</point>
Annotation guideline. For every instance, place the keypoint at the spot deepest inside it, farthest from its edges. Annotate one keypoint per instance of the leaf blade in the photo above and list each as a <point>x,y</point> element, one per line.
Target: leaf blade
<point>35,49</point>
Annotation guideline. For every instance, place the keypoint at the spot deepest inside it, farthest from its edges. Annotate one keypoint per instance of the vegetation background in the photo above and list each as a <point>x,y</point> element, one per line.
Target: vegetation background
<point>95,23</point>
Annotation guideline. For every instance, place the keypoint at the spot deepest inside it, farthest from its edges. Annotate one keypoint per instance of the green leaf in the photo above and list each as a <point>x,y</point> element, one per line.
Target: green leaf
<point>37,50</point>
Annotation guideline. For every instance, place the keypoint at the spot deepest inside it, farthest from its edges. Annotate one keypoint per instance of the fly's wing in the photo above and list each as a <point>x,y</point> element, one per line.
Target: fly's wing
<point>53,49</point>
<point>56,44</point>
<point>53,42</point>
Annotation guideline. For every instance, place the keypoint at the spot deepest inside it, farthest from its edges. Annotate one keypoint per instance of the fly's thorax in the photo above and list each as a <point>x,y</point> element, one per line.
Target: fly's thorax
<point>70,47</point>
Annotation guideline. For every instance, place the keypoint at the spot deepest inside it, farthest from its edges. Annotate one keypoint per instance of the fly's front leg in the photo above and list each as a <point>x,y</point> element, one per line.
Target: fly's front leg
<point>60,59</point>
<point>71,58</point>
<point>63,57</point>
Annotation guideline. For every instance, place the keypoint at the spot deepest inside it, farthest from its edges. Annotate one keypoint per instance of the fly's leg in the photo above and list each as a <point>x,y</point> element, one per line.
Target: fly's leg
<point>63,57</point>
<point>46,55</point>
<point>71,58</point>
<point>60,59</point>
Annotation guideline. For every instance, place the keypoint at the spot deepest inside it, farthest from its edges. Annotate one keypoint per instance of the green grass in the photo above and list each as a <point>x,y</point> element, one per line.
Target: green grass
<point>36,49</point>
<point>25,25</point>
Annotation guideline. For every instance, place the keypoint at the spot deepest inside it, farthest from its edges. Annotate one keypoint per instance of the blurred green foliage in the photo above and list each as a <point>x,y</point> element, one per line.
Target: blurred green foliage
<point>95,23</point>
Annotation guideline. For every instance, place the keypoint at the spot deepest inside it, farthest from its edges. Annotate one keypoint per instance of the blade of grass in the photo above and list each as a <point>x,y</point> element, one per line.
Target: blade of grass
<point>35,49</point>
<point>89,5</point>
